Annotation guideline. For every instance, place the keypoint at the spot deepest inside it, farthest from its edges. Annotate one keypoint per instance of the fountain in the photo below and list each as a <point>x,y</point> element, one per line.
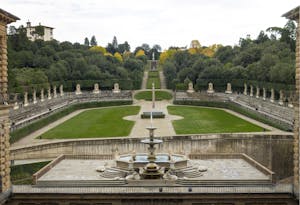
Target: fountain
<point>151,165</point>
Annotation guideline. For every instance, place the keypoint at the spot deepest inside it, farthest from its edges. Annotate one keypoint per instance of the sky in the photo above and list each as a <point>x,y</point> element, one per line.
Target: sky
<point>163,22</point>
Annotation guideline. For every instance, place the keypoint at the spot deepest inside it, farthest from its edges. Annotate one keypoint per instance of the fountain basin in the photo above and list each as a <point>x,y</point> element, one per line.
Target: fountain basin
<point>129,161</point>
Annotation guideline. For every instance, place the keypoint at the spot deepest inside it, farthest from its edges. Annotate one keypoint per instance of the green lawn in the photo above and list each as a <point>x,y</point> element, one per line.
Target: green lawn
<point>22,174</point>
<point>103,122</point>
<point>153,77</point>
<point>159,95</point>
<point>208,120</point>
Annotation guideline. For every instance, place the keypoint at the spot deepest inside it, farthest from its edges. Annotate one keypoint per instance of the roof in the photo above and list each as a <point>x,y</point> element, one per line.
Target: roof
<point>8,17</point>
<point>292,14</point>
<point>42,26</point>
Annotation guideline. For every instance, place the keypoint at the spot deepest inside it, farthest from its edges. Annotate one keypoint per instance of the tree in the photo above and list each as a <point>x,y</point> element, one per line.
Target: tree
<point>93,41</point>
<point>118,57</point>
<point>157,47</point>
<point>98,49</point>
<point>86,42</point>
<point>140,53</point>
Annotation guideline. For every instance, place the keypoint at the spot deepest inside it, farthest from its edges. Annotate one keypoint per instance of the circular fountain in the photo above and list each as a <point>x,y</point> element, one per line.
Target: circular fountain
<point>151,165</point>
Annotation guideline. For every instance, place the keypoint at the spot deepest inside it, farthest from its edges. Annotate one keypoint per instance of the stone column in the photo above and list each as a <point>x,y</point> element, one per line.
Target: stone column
<point>245,89</point>
<point>228,89</point>
<point>272,95</point>
<point>25,99</point>
<point>96,88</point>
<point>78,90</point>
<point>210,89</point>
<point>61,90</point>
<point>34,96</point>
<point>42,95</point>
<point>116,88</point>
<point>49,93</point>
<point>264,93</point>
<point>257,92</point>
<point>54,92</point>
<point>280,102</point>
<point>251,91</point>
<point>5,184</point>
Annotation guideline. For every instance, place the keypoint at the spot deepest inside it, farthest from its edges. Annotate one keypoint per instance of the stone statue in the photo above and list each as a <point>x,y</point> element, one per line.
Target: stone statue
<point>228,89</point>
<point>281,96</point>
<point>272,95</point>
<point>78,90</point>
<point>116,88</point>
<point>210,89</point>
<point>49,93</point>
<point>245,89</point>
<point>25,99</point>
<point>34,97</point>
<point>190,88</point>
<point>61,90</point>
<point>96,88</point>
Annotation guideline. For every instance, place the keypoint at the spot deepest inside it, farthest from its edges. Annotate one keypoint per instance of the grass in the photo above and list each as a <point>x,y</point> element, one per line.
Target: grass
<point>22,174</point>
<point>24,131</point>
<point>208,120</point>
<point>105,122</point>
<point>153,77</point>
<point>159,95</point>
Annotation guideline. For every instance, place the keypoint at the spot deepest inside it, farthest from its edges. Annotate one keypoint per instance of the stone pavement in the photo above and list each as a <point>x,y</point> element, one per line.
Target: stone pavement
<point>164,125</point>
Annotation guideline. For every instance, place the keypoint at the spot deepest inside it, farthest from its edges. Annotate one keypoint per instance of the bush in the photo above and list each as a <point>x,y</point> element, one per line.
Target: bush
<point>24,131</point>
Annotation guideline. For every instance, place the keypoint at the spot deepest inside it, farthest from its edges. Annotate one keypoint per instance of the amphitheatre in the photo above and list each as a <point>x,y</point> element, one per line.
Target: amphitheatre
<point>226,145</point>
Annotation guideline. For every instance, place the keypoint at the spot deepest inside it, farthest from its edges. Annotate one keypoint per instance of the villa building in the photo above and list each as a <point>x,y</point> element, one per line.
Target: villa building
<point>44,33</point>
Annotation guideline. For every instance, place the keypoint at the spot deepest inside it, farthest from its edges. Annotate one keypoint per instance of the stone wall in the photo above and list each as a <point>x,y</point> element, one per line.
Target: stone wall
<point>5,185</point>
<point>273,151</point>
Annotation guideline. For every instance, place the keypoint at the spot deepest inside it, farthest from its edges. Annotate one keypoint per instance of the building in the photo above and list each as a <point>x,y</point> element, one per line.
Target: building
<point>39,32</point>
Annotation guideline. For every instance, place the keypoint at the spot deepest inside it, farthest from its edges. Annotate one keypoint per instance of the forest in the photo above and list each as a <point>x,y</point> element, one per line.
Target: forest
<point>268,60</point>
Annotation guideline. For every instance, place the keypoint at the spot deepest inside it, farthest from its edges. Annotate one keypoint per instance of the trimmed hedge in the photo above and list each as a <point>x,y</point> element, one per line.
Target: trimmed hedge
<point>236,108</point>
<point>24,131</point>
<point>22,174</point>
<point>147,115</point>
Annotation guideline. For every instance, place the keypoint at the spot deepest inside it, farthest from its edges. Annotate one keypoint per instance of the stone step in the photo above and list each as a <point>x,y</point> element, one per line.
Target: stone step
<point>80,183</point>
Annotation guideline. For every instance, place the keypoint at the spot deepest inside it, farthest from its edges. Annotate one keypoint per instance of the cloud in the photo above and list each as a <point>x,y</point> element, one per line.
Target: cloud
<point>163,22</point>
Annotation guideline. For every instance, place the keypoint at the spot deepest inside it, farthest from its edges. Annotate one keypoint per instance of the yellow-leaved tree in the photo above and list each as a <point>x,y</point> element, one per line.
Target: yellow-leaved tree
<point>140,53</point>
<point>99,49</point>
<point>165,55</point>
<point>118,56</point>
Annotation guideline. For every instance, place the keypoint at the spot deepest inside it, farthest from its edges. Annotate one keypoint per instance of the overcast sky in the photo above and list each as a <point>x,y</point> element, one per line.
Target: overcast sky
<point>163,22</point>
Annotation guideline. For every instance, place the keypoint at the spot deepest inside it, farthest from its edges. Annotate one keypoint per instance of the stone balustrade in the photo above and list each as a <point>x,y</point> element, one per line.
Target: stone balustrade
<point>21,115</point>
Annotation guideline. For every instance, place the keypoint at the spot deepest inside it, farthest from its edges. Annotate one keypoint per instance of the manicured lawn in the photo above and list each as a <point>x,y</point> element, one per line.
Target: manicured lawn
<point>153,77</point>
<point>104,122</point>
<point>159,95</point>
<point>208,120</point>
<point>22,174</point>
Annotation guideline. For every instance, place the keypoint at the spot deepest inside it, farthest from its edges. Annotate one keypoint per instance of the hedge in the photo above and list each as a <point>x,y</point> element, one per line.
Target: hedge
<point>22,174</point>
<point>236,108</point>
<point>24,131</point>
